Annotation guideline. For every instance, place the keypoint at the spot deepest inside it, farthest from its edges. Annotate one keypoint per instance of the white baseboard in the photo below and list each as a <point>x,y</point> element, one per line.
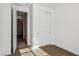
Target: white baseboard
<point>74,52</point>
<point>37,46</point>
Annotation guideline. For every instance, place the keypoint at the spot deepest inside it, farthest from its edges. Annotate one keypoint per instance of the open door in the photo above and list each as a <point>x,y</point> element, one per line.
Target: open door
<point>14,29</point>
<point>14,35</point>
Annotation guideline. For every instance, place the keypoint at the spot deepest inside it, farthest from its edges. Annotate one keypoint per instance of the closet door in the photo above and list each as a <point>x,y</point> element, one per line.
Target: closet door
<point>43,27</point>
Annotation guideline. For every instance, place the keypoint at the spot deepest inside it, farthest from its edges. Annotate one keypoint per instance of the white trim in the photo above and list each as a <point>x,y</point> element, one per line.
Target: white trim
<point>37,46</point>
<point>37,8</point>
<point>70,50</point>
<point>25,9</point>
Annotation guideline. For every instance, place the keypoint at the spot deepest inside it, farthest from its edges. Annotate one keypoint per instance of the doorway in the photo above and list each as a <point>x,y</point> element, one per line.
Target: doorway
<point>21,29</point>
<point>21,32</point>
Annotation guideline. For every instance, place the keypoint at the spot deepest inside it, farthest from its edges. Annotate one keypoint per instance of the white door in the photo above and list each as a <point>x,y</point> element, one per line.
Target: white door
<point>44,27</point>
<point>14,29</point>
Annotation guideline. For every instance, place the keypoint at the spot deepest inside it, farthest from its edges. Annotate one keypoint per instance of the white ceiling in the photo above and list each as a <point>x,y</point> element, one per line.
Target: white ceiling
<point>51,5</point>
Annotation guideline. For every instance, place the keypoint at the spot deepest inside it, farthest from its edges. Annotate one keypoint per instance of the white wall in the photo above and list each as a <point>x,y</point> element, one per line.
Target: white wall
<point>39,37</point>
<point>66,22</point>
<point>5,29</point>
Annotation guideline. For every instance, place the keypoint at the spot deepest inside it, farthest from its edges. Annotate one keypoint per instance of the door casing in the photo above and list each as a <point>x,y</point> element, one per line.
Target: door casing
<point>23,9</point>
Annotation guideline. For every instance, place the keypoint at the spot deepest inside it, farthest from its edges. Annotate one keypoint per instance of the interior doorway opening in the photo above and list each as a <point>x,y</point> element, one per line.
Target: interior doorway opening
<point>21,29</point>
<point>21,37</point>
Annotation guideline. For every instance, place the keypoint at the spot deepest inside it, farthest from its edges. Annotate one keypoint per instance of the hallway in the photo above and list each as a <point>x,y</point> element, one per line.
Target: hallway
<point>21,43</point>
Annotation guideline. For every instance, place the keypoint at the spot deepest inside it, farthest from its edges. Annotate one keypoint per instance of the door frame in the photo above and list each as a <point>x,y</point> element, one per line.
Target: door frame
<point>23,9</point>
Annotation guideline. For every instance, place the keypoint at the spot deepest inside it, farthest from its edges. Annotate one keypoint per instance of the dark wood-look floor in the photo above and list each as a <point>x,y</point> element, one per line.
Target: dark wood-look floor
<point>21,43</point>
<point>52,50</point>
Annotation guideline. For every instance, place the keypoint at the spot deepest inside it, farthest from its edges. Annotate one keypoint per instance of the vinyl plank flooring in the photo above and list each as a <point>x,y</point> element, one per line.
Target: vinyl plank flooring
<point>21,43</point>
<point>53,50</point>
